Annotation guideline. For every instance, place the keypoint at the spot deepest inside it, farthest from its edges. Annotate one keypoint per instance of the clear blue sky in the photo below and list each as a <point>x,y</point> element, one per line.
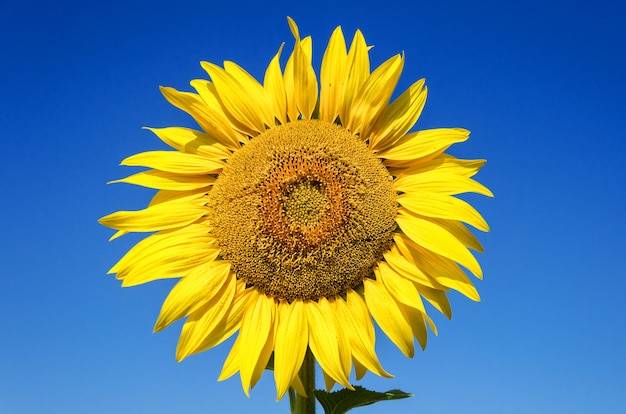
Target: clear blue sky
<point>541,85</point>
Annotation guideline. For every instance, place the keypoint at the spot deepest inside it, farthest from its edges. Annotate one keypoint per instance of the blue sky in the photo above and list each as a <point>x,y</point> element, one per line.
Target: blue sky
<point>540,85</point>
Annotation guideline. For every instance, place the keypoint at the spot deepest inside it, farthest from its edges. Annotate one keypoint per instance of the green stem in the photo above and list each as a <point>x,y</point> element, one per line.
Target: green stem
<point>298,403</point>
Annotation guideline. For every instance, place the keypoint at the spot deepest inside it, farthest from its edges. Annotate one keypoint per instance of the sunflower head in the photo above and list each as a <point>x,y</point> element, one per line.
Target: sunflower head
<point>302,211</point>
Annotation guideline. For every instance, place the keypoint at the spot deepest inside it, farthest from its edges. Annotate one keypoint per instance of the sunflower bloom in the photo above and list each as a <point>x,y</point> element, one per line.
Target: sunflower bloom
<point>301,212</point>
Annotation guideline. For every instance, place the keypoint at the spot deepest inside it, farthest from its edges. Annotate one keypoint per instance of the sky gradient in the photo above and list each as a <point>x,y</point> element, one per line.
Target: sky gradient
<point>540,85</point>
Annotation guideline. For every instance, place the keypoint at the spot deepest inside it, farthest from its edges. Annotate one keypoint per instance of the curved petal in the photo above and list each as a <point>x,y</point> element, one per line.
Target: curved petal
<point>303,78</point>
<point>415,318</point>
<point>323,341</point>
<point>408,269</point>
<point>439,300</point>
<point>292,338</point>
<point>260,100</point>
<point>193,142</point>
<point>162,180</point>
<point>166,254</point>
<point>357,70</point>
<point>441,182</point>
<point>442,269</point>
<point>401,289</point>
<point>443,164</point>
<point>203,320</point>
<point>420,144</point>
<point>460,231</point>
<point>442,206</point>
<point>221,124</point>
<point>332,81</point>
<point>195,106</point>
<point>175,162</point>
<point>388,316</point>
<point>398,118</point>
<point>197,196</point>
<point>374,95</point>
<point>238,103</point>
<point>362,348</point>
<point>437,239</point>
<point>192,291</point>
<point>231,364</point>
<point>329,382</point>
<point>256,336</point>
<point>274,84</point>
<point>230,322</point>
<point>154,218</point>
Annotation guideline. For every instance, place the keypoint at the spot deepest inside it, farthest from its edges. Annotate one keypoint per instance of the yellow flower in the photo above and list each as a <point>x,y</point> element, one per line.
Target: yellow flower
<point>296,220</point>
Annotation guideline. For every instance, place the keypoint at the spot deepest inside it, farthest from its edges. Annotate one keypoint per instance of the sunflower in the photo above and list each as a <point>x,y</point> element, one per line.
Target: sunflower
<point>297,221</point>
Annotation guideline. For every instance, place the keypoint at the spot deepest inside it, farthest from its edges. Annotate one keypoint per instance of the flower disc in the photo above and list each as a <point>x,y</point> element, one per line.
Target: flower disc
<point>303,211</point>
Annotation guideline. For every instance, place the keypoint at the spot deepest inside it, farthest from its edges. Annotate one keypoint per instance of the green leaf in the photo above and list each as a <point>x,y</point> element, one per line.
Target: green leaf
<point>340,402</point>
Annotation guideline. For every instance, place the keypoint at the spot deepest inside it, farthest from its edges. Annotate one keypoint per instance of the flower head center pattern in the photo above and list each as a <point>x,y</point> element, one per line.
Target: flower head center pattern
<point>304,211</point>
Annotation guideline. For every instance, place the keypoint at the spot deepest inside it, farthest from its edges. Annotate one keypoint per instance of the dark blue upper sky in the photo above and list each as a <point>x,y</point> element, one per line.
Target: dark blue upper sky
<point>541,86</point>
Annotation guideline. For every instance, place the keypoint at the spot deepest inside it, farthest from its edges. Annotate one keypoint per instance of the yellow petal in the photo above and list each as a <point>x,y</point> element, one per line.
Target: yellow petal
<point>237,101</point>
<point>175,162</point>
<point>192,142</point>
<point>332,81</point>
<point>357,70</point>
<point>193,291</point>
<point>442,206</point>
<point>255,333</point>
<point>359,370</point>
<point>401,289</point>
<point>358,310</point>
<point>361,346</point>
<point>203,320</point>
<point>329,381</point>
<point>197,196</point>
<point>408,301</point>
<point>430,142</point>
<point>231,364</point>
<point>291,343</point>
<point>341,319</point>
<point>398,118</point>
<point>404,293</point>
<point>444,270</point>
<point>444,164</point>
<point>259,99</point>
<point>297,385</point>
<point>221,122</point>
<point>264,356</point>
<point>408,269</point>
<point>117,234</point>
<point>229,323</point>
<point>162,180</point>
<point>157,217</point>
<point>437,239</point>
<point>166,254</point>
<point>441,182</point>
<point>415,318</point>
<point>388,316</point>
<point>323,340</point>
<point>195,106</point>
<point>438,299</point>
<point>374,95</point>
<point>304,78</point>
<point>275,87</point>
<point>461,232</point>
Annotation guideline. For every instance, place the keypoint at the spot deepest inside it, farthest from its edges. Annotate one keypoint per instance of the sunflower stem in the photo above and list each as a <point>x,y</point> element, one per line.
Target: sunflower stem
<point>305,405</point>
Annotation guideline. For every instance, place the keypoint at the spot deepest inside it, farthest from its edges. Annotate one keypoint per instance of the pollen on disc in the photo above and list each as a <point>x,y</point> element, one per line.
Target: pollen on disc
<point>303,211</point>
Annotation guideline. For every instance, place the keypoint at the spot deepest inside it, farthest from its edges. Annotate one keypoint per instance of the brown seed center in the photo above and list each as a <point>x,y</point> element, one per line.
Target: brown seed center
<point>303,211</point>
